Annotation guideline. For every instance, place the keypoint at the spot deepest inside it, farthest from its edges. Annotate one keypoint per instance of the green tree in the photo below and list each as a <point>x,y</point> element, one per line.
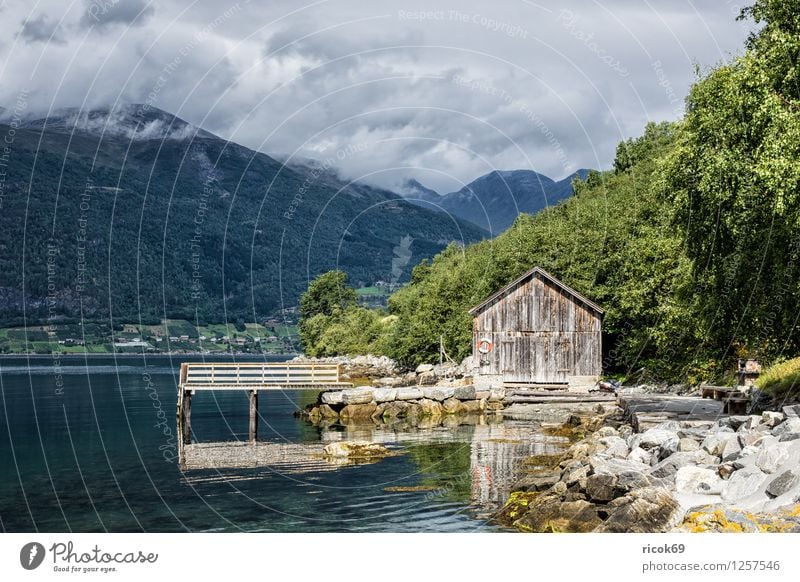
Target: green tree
<point>327,297</point>
<point>734,180</point>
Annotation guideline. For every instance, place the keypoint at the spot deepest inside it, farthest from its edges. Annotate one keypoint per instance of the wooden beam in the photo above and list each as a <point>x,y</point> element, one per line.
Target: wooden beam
<point>187,417</point>
<point>253,416</point>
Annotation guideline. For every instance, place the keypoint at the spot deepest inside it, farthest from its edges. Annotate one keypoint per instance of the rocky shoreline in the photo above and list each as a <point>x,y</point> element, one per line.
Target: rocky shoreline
<point>740,473</point>
<point>410,405</point>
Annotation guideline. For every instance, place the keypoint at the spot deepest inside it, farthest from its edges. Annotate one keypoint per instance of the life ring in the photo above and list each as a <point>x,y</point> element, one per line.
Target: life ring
<point>485,345</point>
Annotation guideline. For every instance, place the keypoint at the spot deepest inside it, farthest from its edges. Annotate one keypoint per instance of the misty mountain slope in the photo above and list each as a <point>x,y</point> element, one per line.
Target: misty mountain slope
<point>195,227</point>
<point>494,200</point>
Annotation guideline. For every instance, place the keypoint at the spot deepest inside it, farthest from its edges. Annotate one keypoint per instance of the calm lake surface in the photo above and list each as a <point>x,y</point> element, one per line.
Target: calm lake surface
<point>89,446</point>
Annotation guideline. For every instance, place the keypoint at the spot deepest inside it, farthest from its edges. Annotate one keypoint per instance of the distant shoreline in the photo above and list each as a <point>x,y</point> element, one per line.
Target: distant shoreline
<point>145,354</point>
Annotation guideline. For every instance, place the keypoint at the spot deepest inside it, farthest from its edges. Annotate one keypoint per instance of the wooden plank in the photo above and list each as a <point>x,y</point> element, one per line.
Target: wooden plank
<point>253,432</point>
<point>187,417</point>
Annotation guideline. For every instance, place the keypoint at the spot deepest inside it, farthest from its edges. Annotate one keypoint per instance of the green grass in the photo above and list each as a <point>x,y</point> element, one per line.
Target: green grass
<point>372,291</point>
<point>781,379</point>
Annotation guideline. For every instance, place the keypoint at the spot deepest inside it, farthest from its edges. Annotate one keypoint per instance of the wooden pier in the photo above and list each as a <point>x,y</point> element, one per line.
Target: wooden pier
<point>252,377</point>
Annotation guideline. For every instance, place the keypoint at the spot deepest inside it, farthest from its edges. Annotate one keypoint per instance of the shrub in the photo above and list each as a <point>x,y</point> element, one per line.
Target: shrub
<point>781,379</point>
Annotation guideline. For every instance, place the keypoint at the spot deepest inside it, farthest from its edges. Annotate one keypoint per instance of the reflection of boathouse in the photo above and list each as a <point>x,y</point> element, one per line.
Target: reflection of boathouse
<point>536,330</point>
<point>497,453</point>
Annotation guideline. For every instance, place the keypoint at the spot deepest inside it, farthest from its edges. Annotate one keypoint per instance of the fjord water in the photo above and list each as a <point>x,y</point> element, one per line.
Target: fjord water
<point>87,444</point>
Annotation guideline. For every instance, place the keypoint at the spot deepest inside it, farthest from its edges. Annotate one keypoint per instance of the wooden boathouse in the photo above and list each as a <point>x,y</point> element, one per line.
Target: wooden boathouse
<point>537,331</point>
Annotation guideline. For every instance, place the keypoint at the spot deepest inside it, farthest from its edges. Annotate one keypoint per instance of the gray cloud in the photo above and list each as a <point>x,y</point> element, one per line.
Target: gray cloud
<point>99,13</point>
<point>441,91</point>
<point>41,29</point>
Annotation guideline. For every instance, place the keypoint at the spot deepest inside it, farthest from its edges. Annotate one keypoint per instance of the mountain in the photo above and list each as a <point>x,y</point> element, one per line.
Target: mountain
<point>140,217</point>
<point>413,190</point>
<point>495,200</point>
<point>132,122</point>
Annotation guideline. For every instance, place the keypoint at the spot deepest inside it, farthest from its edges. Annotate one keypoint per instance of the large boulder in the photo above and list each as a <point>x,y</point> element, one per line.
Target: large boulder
<point>783,483</point>
<point>430,407</point>
<point>654,437</point>
<point>409,393</point>
<point>389,382</point>
<point>333,397</point>
<point>602,465</point>
<point>423,368</point>
<point>771,457</point>
<point>694,480</point>
<point>426,378</point>
<point>715,442</point>
<point>464,392</point>
<point>743,483</point>
<point>771,418</point>
<point>396,409</point>
<point>603,488</point>
<point>538,481</point>
<point>384,394</point>
<point>646,510</point>
<point>440,393</point>
<point>357,412</point>
<point>790,425</point>
<point>355,450</point>
<point>669,466</point>
<point>615,446</point>
<point>548,513</point>
<point>357,396</point>
<point>454,406</point>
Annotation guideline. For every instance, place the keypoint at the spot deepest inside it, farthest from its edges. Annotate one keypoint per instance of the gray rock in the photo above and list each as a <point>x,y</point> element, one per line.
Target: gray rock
<point>687,445</point>
<point>654,437</point>
<point>464,392</point>
<point>440,393</point>
<point>603,488</point>
<point>426,379</point>
<point>611,466</point>
<point>606,431</point>
<point>787,426</point>
<point>743,483</point>
<point>615,446</point>
<point>783,483</point>
<point>575,474</point>
<point>734,422</point>
<point>669,466</point>
<point>792,411</point>
<point>731,450</point>
<point>771,418</point>
<point>771,457</point>
<point>497,394</point>
<point>334,397</point>
<point>715,442</point>
<point>388,382</point>
<point>640,456</point>
<point>694,480</point>
<point>357,396</point>
<point>752,422</point>
<point>409,393</point>
<point>422,368</point>
<point>384,394</point>
<point>646,510</point>
<point>789,436</point>
<point>539,482</point>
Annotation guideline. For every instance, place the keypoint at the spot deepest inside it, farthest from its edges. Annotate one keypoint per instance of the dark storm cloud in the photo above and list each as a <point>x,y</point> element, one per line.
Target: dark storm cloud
<point>100,13</point>
<point>41,29</point>
<point>445,90</point>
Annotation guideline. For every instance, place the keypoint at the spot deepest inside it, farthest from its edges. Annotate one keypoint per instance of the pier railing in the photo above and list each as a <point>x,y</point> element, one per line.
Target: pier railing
<point>258,376</point>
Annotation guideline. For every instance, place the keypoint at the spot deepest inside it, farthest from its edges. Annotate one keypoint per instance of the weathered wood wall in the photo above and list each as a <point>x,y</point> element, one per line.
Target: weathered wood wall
<point>540,333</point>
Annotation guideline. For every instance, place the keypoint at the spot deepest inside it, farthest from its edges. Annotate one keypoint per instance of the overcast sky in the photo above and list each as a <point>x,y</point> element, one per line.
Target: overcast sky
<point>443,91</point>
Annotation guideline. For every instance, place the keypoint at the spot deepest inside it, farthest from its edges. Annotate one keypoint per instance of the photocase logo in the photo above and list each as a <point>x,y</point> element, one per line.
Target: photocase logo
<point>31,555</point>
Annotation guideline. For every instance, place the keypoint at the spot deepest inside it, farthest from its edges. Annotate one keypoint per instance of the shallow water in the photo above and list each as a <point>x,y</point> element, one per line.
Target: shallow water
<point>90,446</point>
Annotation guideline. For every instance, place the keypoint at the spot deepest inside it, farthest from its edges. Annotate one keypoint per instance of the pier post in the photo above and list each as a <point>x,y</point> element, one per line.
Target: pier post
<point>187,417</point>
<point>253,416</point>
